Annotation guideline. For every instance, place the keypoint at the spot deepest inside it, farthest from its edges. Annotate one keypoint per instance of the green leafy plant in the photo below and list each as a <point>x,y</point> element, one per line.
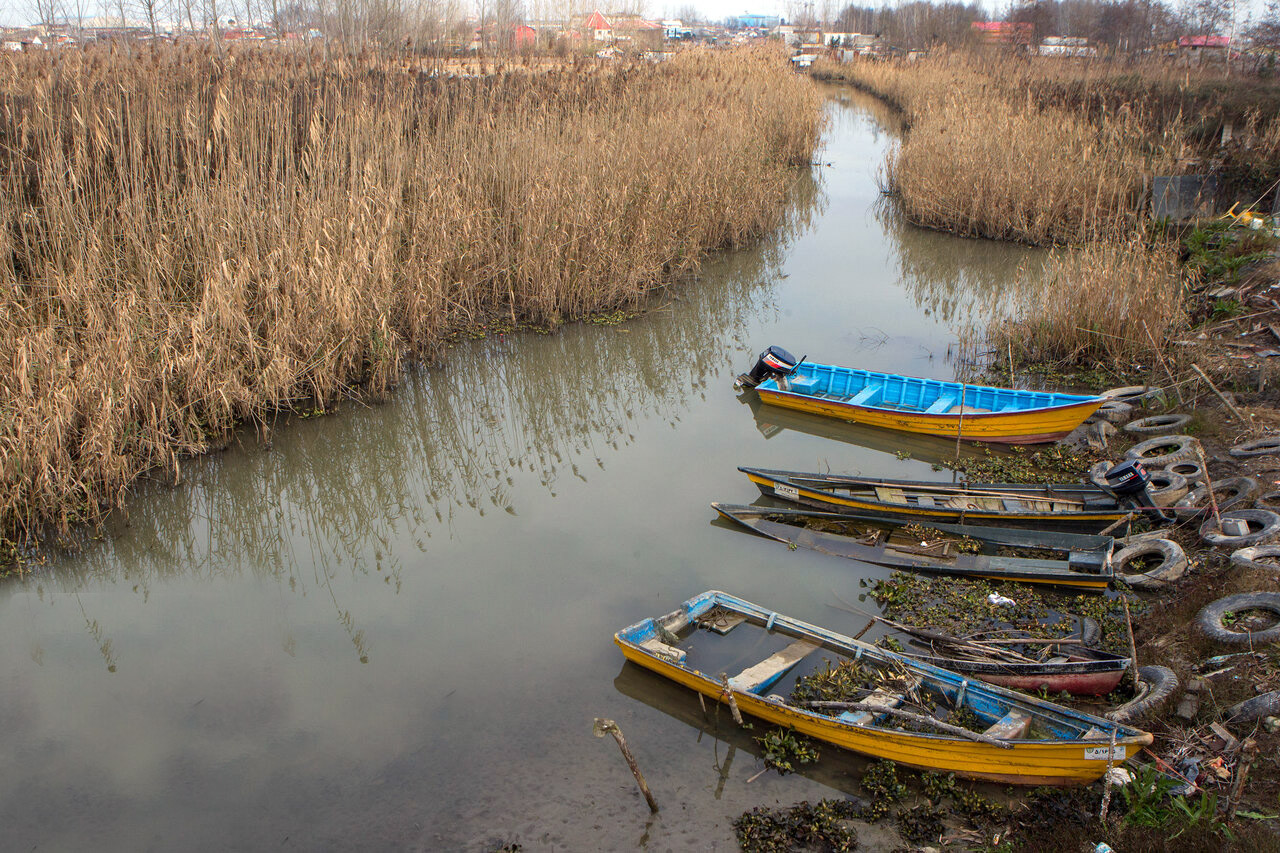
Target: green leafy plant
<point>784,750</point>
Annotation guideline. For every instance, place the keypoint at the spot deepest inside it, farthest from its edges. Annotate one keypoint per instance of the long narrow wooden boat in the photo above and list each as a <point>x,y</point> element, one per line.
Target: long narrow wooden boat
<point>1079,561</point>
<point>1025,741</point>
<point>1080,672</point>
<point>930,406</point>
<point>1006,504</point>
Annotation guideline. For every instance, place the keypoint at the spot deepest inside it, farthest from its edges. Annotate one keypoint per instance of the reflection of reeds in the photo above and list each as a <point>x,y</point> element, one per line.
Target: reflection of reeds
<point>350,494</point>
<point>193,241</point>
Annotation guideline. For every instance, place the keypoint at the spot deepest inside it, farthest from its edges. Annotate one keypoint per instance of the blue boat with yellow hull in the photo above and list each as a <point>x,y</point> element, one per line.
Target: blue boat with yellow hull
<point>1019,739</point>
<point>913,404</point>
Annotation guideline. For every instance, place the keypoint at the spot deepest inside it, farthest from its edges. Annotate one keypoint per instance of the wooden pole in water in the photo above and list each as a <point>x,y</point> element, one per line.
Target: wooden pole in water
<point>1133,648</point>
<point>603,727</point>
<point>964,387</point>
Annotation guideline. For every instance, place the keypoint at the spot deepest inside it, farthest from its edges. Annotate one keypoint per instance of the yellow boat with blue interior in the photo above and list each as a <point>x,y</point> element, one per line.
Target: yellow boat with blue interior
<point>906,710</point>
<point>913,404</point>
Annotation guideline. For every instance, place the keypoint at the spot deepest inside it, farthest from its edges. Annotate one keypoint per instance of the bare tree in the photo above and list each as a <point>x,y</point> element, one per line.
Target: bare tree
<point>46,11</point>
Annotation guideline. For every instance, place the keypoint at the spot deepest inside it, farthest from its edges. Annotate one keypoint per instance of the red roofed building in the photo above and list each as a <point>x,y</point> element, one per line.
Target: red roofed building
<point>643,34</point>
<point>1204,41</point>
<point>598,27</point>
<point>1004,32</point>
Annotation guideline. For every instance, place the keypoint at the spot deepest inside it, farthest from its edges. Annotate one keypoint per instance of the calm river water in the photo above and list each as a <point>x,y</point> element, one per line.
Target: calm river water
<point>393,627</point>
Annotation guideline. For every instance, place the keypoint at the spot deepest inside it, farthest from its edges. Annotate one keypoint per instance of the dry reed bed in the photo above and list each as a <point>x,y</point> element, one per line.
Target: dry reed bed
<point>192,242</point>
<point>987,156</point>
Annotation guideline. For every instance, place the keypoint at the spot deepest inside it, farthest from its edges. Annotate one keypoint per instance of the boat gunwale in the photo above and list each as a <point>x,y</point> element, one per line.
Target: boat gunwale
<point>772,386</point>
<point>1024,570</point>
<point>957,750</point>
<point>824,497</point>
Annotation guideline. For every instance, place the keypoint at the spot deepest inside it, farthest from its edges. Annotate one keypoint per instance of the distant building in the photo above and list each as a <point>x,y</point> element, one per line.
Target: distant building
<point>1005,32</point>
<point>1066,46</point>
<point>762,22</point>
<point>597,27</point>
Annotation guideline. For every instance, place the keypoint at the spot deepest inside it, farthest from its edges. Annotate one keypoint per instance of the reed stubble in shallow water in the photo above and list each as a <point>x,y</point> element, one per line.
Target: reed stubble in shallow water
<point>191,241</point>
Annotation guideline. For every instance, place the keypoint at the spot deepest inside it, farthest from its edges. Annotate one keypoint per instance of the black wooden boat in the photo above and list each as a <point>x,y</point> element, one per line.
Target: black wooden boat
<point>1077,560</point>
<point>1006,504</point>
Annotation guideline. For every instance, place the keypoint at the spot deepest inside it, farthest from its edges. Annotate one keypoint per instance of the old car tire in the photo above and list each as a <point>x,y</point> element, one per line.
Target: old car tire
<point>1173,564</point>
<point>1176,448</point>
<point>1258,447</point>
<point>1166,488</point>
<point>1193,472</point>
<point>1252,709</point>
<point>1157,424</point>
<point>1255,557</point>
<point>1270,500</point>
<point>1231,494</point>
<point>1156,686</point>
<point>1114,412</point>
<point>1211,617</point>
<point>1133,395</point>
<point>1263,525</point>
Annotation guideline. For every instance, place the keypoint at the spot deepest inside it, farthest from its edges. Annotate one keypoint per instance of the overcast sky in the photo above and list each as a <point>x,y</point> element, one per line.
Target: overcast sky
<point>18,12</point>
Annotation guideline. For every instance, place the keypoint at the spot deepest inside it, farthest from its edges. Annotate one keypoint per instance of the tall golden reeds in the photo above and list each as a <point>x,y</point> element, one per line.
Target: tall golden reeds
<point>1112,302</point>
<point>193,240</point>
<point>988,157</point>
<point>1047,153</point>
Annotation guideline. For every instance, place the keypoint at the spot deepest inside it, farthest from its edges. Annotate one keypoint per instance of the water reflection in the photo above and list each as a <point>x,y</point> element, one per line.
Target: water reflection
<point>330,490</point>
<point>958,281</point>
<point>773,421</point>
<point>838,769</point>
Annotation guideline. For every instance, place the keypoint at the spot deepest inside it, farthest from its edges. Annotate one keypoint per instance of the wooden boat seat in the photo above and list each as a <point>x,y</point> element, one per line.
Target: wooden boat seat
<point>888,495</point>
<point>868,396</point>
<point>1095,733</point>
<point>655,646</point>
<point>761,676</point>
<point>968,410</point>
<point>966,502</point>
<point>803,384</point>
<point>878,699</point>
<point>1012,725</point>
<point>926,500</point>
<point>1014,505</point>
<point>942,404</point>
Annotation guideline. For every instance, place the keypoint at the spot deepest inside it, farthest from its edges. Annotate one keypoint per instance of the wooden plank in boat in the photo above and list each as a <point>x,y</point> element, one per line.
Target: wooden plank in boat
<point>726,623</point>
<point>878,699</point>
<point>754,677</point>
<point>886,494</point>
<point>974,502</point>
<point>1012,725</point>
<point>1095,733</point>
<point>663,650</point>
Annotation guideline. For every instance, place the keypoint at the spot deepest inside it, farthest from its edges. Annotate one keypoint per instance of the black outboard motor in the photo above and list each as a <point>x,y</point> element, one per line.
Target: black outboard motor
<point>1128,482</point>
<point>775,361</point>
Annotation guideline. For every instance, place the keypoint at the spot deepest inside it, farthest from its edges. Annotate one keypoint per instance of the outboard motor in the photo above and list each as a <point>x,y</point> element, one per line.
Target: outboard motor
<point>775,361</point>
<point>1128,482</point>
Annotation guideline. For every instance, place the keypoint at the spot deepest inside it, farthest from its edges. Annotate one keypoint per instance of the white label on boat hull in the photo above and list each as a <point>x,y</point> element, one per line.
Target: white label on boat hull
<point>788,492</point>
<point>1104,753</point>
